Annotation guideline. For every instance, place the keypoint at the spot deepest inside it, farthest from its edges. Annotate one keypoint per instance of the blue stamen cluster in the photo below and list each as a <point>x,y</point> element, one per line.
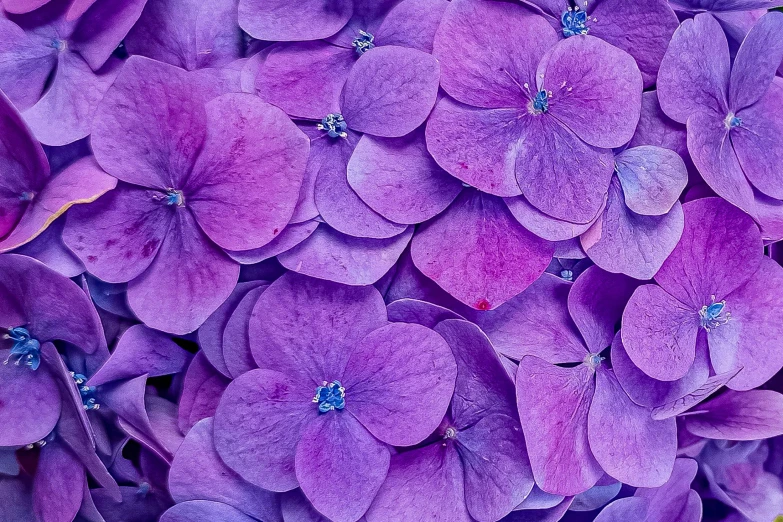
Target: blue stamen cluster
<point>330,396</point>
<point>334,125</point>
<point>25,348</point>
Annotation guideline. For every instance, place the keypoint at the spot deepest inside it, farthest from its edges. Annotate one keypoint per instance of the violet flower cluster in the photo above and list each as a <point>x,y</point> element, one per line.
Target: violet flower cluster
<point>391,260</point>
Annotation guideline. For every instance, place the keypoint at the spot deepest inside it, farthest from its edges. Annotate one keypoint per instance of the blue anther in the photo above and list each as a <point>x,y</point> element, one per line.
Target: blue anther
<point>713,316</point>
<point>27,196</point>
<point>60,45</point>
<point>593,360</point>
<point>175,197</point>
<point>330,396</point>
<point>334,125</point>
<point>735,122</point>
<point>567,274</point>
<point>363,43</point>
<point>25,348</point>
<point>574,22</point>
<point>86,392</point>
<point>541,102</point>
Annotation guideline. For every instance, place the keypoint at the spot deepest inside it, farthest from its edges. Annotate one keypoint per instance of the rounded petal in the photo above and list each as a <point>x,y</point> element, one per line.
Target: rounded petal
<point>58,485</point>
<point>625,440</point>
<point>236,340</point>
<point>412,23</point>
<point>26,62</point>
<point>187,281</point>
<point>197,510</point>
<point>390,91</point>
<point>478,252</point>
<point>652,178</point>
<point>629,508</point>
<point>719,250</point>
<point>49,248</point>
<point>659,333</point>
<point>328,254</point>
<point>747,415</point>
<point>694,72</point>
<point>249,144</point>
<point>542,225</point>
<point>197,473</point>
<point>291,235</point>
<point>757,59</point>
<point>257,426</point>
<point>399,179</point>
<point>29,403</point>
<point>202,387</point>
<point>304,20</point>
<point>657,129</point>
<point>489,50</point>
<point>335,448</point>
<point>553,406</point>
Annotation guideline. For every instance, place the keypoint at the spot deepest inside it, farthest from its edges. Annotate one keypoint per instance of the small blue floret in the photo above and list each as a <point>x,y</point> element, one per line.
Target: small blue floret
<point>175,197</point>
<point>334,125</point>
<point>363,43</point>
<point>567,274</point>
<point>735,122</point>
<point>713,316</point>
<point>330,396</point>
<point>86,392</point>
<point>574,22</point>
<point>541,102</point>
<point>25,348</point>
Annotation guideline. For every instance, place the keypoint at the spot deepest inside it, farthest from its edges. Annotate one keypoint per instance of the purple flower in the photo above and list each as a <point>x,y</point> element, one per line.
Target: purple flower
<point>736,17</point>
<point>75,52</point>
<point>337,384</point>
<point>642,28</point>
<point>190,175</point>
<point>577,419</point>
<point>528,114</point>
<point>475,466</point>
<point>734,131</point>
<point>716,303</point>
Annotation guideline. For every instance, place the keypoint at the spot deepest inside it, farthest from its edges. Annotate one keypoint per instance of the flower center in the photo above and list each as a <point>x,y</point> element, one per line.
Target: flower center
<point>593,360</point>
<point>540,103</point>
<point>175,197</point>
<point>330,396</point>
<point>567,274</point>
<point>87,392</point>
<point>732,121</point>
<point>451,433</point>
<point>574,21</point>
<point>27,196</point>
<point>59,44</point>
<point>714,315</point>
<point>363,42</point>
<point>334,125</point>
<point>25,349</point>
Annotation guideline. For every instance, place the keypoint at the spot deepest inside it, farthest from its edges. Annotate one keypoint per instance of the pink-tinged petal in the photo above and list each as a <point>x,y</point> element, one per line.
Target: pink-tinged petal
<point>335,447</point>
<point>489,52</point>
<point>478,252</point>
<point>305,20</point>
<point>652,178</point>
<point>22,6</point>
<point>714,156</point>
<point>187,281</point>
<point>543,225</point>
<point>65,112</point>
<point>596,90</point>
<point>197,510</point>
<point>483,387</point>
<point>553,406</point>
<point>29,403</point>
<point>249,144</point>
<point>758,141</point>
<point>477,146</point>
<point>328,254</point>
<point>626,25</point>
<point>390,91</point>
<point>301,344</point>
<point>622,241</point>
<point>659,333</point>
<point>701,267</point>
<point>305,79</point>
<point>150,125</point>
<point>560,174</point>
<point>646,391</point>
<point>210,334</point>
<point>186,33</point>
<point>414,361</point>
<point>25,167</point>
<point>78,8</point>
<point>26,61</point>
<point>58,486</point>
<point>288,238</point>
<point>748,415</point>
<point>750,341</point>
<point>399,179</point>
<point>657,129</point>
<point>412,23</point>
<point>257,426</point>
<point>338,204</point>
<point>694,73</point>
<point>202,388</point>
<point>197,473</point>
<point>596,304</point>
<point>82,182</point>
<point>423,484</point>
<point>757,59</point>
<point>49,249</point>
<point>497,473</point>
<point>102,28</point>
<point>141,351</point>
<point>236,341</point>
<point>536,322</point>
<point>627,443</point>
<point>119,235</point>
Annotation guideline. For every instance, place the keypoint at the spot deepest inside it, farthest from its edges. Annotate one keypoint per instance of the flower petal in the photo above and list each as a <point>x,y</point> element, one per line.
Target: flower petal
<point>305,20</point>
<point>757,59</point>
